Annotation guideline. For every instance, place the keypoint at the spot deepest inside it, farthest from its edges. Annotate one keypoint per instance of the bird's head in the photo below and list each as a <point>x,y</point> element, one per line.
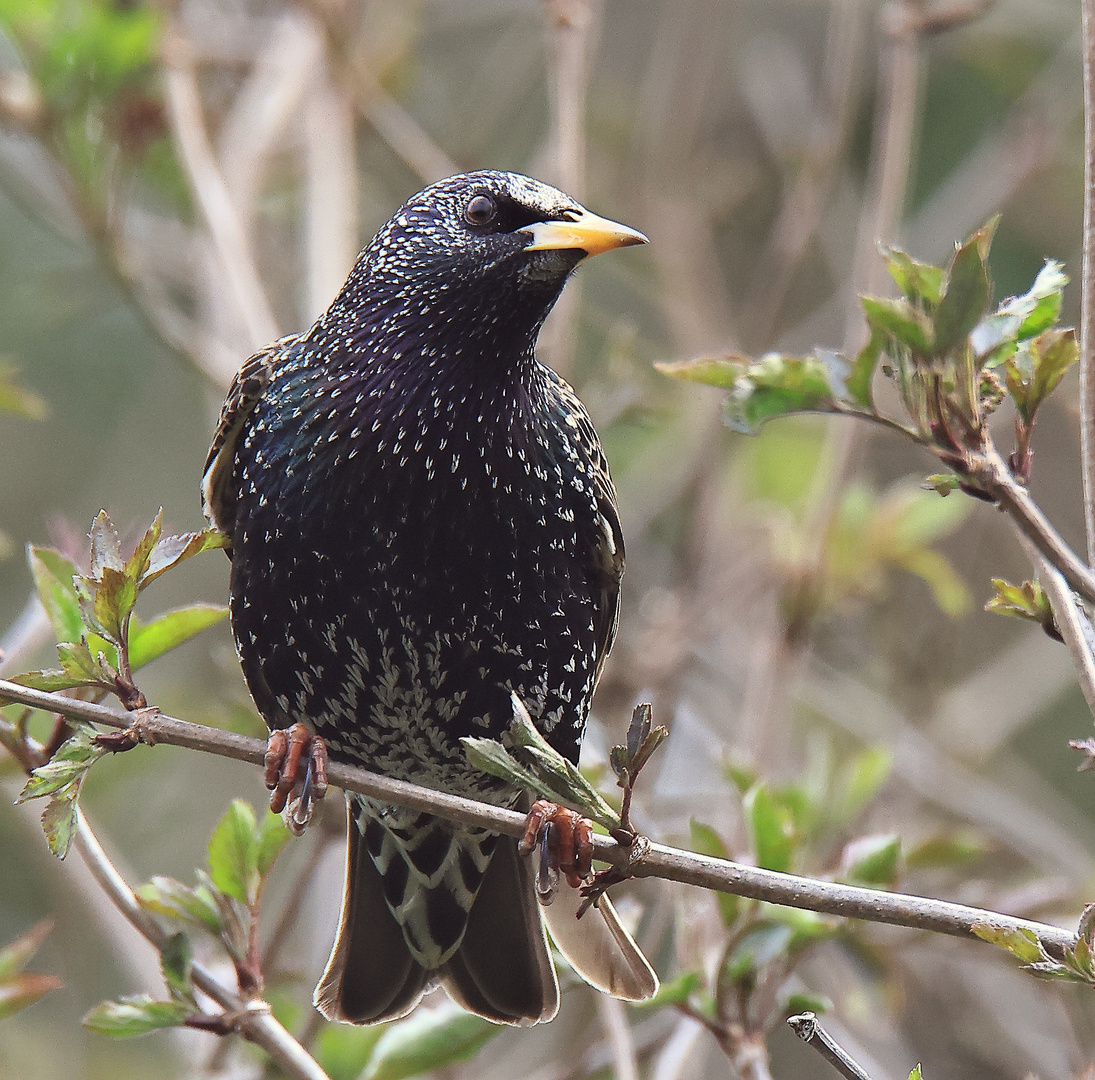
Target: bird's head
<point>478,254</point>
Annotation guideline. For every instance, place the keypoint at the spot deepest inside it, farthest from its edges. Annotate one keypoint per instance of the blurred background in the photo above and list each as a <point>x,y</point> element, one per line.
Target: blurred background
<point>181,183</point>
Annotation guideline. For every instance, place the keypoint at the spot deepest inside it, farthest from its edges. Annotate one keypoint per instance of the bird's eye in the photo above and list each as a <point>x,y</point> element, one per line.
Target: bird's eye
<point>480,210</point>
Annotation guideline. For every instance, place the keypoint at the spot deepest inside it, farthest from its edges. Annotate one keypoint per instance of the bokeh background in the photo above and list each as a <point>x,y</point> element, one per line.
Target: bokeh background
<point>179,184</point>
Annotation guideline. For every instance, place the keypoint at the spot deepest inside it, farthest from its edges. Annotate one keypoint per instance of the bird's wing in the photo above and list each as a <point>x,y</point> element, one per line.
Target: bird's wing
<point>218,489</point>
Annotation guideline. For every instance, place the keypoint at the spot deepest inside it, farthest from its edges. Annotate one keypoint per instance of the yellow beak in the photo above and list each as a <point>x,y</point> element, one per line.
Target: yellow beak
<point>587,231</point>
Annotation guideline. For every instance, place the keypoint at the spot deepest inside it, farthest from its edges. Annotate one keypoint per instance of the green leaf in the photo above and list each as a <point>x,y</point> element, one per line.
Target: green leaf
<point>965,297</point>
<point>948,589</point>
<point>106,549</point>
<point>1032,375</point>
<point>1026,601</point>
<point>59,821</point>
<point>942,483</point>
<point>172,550</point>
<point>51,680</point>
<point>920,282</point>
<point>428,1039</point>
<point>490,756</point>
<point>899,322</point>
<point>872,860</point>
<point>137,563</point>
<point>135,1016</point>
<point>1039,308</point>
<point>149,641</point>
<point>945,850</point>
<point>758,948</point>
<point>176,960</point>
<point>233,854</point>
<point>166,896</point>
<point>721,371</point>
<point>800,1002</point>
<point>916,1074</point>
<point>1020,942</point>
<point>53,575</point>
<point>705,841</point>
<point>272,836</point>
<point>861,780</point>
<point>73,758</point>
<point>677,991</point>
<point>859,378</point>
<point>343,1051</point>
<point>771,829</point>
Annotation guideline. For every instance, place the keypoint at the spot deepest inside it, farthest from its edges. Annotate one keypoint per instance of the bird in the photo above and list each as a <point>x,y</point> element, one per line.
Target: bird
<point>421,525</point>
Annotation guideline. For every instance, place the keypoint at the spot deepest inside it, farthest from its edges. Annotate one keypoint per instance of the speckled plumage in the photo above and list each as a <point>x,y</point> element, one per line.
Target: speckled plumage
<point>422,521</point>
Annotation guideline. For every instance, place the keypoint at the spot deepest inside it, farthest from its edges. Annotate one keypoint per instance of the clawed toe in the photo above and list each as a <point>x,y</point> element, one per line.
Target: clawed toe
<point>565,842</point>
<point>295,773</point>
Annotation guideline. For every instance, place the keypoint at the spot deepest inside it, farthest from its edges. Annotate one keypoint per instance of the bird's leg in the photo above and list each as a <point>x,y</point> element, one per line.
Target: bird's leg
<point>565,840</point>
<point>286,750</point>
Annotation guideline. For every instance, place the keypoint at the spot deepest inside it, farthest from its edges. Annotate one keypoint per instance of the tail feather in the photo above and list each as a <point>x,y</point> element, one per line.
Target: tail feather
<point>371,975</point>
<point>503,969</point>
<point>599,947</point>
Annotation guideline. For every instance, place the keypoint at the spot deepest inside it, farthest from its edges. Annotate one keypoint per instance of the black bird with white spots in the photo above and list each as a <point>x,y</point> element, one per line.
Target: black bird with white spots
<point>422,523</point>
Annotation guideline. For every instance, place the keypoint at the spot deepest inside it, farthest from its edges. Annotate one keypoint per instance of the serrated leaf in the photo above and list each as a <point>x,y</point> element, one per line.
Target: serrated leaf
<point>771,829</point>
<point>428,1039</point>
<point>51,680</point>
<point>271,837</point>
<point>137,563</point>
<point>1039,308</point>
<point>1026,601</point>
<point>73,758</point>
<point>23,989</point>
<point>965,296</point>
<point>898,321</point>
<point>1023,944</point>
<point>53,575</point>
<point>490,756</point>
<point>176,960</point>
<point>136,1015</point>
<point>17,954</point>
<point>149,641</point>
<point>59,821</point>
<point>114,599</point>
<point>172,550</point>
<point>106,549</point>
<point>872,860</point>
<point>920,282</point>
<point>233,854</point>
<point>166,896</point>
<point>779,385</point>
<point>639,728</point>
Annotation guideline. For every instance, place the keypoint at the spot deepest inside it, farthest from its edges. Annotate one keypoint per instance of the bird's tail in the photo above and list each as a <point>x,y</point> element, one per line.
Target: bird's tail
<point>427,901</point>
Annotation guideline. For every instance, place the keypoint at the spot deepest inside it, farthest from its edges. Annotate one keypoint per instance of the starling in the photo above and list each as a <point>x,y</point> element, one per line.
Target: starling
<point>422,524</point>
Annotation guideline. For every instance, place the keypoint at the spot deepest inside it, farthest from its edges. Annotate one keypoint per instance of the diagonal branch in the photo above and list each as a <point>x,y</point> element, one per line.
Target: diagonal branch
<point>644,859</point>
<point>253,1018</point>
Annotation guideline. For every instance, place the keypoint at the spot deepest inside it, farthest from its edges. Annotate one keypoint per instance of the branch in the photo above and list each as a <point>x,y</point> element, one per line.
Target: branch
<point>644,859</point>
<point>1087,283</point>
<point>994,477</point>
<point>253,1018</point>
<point>807,1028</point>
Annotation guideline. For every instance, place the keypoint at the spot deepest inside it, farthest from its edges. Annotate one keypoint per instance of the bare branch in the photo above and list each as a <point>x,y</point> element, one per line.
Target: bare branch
<point>644,859</point>
<point>1087,284</point>
<point>807,1028</point>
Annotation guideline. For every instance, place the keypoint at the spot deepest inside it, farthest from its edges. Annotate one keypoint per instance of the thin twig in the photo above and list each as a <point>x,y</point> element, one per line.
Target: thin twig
<point>806,1027</point>
<point>211,193</point>
<point>254,1019</point>
<point>643,859</point>
<point>993,476</point>
<point>1087,283</point>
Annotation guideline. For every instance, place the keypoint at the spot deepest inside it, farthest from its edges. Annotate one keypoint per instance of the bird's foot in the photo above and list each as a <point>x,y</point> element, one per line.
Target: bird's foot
<point>565,842</point>
<point>296,774</point>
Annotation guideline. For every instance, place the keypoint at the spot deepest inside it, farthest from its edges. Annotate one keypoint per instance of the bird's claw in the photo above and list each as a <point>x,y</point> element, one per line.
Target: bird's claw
<point>289,784</point>
<point>565,842</point>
